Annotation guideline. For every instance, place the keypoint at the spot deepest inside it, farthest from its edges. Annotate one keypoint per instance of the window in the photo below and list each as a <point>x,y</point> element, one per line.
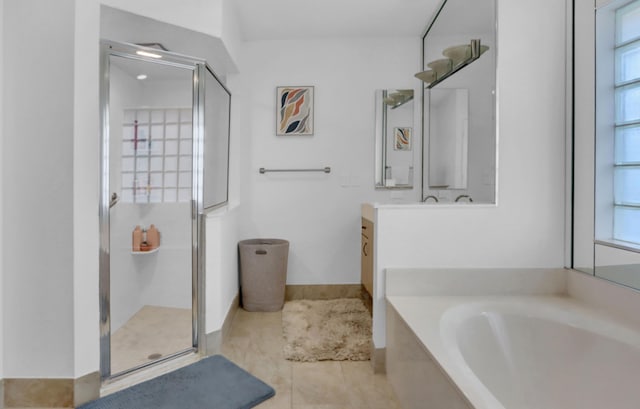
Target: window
<point>626,163</point>
<point>157,155</point>
<point>617,114</point>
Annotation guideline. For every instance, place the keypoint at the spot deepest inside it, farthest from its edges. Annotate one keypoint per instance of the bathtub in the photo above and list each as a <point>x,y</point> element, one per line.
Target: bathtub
<point>510,352</point>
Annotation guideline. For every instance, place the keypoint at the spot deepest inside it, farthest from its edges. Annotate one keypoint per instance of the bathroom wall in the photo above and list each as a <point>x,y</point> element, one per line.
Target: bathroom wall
<point>230,33</point>
<point>221,265</point>
<point>584,134</point>
<point>318,213</point>
<point>124,26</point>
<point>526,228</point>
<point>1,196</point>
<point>38,208</point>
<point>86,187</point>
<point>204,16</point>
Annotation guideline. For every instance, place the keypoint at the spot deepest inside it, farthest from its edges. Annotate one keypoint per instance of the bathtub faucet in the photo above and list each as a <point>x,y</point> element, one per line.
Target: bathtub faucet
<point>430,197</point>
<point>464,196</point>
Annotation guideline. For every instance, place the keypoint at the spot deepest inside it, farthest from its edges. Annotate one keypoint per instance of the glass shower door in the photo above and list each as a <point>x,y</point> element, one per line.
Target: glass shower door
<point>150,161</point>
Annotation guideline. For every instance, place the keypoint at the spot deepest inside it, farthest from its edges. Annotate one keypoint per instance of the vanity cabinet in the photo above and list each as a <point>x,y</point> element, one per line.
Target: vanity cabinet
<point>366,255</point>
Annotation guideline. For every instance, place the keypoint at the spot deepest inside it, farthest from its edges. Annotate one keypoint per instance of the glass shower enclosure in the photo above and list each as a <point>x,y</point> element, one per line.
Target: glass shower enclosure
<point>161,114</point>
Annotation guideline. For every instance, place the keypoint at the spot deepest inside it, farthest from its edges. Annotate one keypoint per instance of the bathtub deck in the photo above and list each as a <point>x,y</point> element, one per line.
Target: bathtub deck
<point>434,321</point>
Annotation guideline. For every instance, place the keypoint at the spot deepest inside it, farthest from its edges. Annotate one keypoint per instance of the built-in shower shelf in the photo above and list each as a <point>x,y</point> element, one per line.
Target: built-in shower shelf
<point>146,252</point>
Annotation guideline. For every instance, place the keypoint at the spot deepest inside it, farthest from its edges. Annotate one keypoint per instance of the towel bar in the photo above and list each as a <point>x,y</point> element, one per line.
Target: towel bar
<point>326,169</point>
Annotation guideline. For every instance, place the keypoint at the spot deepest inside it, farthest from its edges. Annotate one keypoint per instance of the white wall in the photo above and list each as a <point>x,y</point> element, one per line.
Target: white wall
<point>526,228</point>
<point>204,16</point>
<point>221,265</point>
<point>86,187</point>
<point>38,208</point>
<point>230,33</point>
<point>318,213</point>
<point>1,190</point>
<point>123,26</point>
<point>584,131</point>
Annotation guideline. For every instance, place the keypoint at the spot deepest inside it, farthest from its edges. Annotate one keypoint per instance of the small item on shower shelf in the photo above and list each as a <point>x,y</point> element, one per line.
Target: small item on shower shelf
<point>153,237</point>
<point>137,238</point>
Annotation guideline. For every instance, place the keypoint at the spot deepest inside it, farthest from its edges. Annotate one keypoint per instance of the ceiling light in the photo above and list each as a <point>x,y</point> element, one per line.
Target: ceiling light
<point>148,54</point>
<point>142,77</point>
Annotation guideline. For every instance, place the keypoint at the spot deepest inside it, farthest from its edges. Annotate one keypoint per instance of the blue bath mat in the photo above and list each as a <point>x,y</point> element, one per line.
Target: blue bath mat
<point>212,383</point>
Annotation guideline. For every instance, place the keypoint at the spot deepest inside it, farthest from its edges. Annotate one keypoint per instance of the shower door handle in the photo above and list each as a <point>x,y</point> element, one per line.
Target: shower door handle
<point>114,200</point>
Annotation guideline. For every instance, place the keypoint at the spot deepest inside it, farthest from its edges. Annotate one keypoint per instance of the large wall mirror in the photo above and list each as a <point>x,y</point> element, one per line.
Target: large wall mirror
<point>394,139</point>
<point>459,103</point>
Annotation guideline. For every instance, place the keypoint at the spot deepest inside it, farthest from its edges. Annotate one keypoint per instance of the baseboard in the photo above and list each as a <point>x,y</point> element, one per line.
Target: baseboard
<point>228,320</point>
<point>366,298</point>
<point>213,340</point>
<point>378,359</point>
<point>86,388</point>
<point>49,392</point>
<point>38,393</point>
<point>322,291</point>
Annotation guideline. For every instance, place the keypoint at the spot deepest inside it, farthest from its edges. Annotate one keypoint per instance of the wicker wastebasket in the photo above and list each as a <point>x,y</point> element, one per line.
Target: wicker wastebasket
<point>263,273</point>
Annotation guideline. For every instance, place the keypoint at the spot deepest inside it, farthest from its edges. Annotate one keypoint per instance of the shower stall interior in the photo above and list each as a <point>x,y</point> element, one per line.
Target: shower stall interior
<point>165,149</point>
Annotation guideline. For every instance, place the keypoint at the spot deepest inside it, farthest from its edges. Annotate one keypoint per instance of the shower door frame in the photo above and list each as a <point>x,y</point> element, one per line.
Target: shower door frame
<point>198,67</point>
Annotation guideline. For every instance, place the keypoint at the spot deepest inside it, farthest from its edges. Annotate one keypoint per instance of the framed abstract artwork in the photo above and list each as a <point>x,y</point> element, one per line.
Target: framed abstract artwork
<point>402,139</point>
<point>294,112</point>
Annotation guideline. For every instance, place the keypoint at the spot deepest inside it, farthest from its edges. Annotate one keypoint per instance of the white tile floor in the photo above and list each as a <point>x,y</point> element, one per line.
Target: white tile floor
<point>256,342</point>
<point>152,330</point>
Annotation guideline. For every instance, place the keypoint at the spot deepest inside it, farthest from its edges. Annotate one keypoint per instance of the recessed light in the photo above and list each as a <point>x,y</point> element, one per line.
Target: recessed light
<point>142,77</point>
<point>148,54</point>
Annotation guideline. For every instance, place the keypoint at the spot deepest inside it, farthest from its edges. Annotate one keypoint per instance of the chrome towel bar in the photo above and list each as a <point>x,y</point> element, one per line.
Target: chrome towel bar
<point>326,169</point>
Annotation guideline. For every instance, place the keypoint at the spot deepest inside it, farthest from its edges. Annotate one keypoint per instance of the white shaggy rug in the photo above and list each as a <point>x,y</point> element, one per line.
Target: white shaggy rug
<point>321,330</point>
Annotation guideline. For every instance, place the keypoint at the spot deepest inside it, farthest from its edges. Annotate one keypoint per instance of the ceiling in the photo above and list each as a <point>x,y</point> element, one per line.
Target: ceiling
<point>313,19</point>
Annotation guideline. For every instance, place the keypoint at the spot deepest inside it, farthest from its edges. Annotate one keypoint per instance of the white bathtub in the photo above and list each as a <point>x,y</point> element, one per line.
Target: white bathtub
<point>513,352</point>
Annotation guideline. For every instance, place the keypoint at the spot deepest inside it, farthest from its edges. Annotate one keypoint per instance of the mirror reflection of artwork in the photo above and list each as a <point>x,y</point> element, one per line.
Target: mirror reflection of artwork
<point>402,137</point>
<point>394,139</point>
<point>294,111</point>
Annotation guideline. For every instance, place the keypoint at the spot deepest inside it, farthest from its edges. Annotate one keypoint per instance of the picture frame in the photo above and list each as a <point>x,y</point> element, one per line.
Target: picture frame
<point>294,110</point>
<point>402,138</point>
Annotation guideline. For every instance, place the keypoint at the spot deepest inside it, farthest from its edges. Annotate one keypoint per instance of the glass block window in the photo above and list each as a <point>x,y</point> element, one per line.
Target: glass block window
<point>626,179</point>
<point>157,151</point>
